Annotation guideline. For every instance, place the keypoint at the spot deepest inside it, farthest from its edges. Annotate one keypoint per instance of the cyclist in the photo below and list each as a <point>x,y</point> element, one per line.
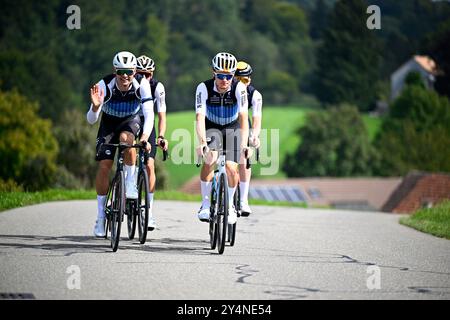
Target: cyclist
<point>118,97</point>
<point>146,67</point>
<point>243,74</point>
<point>221,112</point>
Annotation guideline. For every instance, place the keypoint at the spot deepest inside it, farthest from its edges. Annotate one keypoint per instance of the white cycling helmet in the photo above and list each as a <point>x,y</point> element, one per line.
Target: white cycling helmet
<point>224,62</point>
<point>124,60</point>
<point>145,63</point>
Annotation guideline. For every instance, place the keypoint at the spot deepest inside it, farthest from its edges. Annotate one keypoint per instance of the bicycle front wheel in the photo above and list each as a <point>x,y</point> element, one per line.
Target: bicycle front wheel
<point>142,205</point>
<point>118,207</point>
<point>213,216</point>
<point>222,214</point>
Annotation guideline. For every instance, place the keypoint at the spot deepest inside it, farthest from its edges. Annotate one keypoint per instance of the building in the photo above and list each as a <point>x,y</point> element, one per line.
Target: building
<point>418,190</point>
<point>366,194</point>
<point>424,65</point>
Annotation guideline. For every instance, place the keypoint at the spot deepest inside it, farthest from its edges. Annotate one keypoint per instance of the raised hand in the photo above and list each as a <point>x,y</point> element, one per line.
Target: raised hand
<point>97,96</point>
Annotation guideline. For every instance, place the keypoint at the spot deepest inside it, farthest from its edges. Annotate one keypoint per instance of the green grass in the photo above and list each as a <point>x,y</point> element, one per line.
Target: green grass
<point>10,200</point>
<point>285,119</point>
<point>435,221</point>
<point>373,125</point>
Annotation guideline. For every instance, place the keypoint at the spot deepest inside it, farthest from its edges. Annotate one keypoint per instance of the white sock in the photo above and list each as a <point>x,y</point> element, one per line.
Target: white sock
<point>101,207</point>
<point>150,203</point>
<point>244,186</point>
<point>129,170</point>
<point>231,195</point>
<point>206,193</point>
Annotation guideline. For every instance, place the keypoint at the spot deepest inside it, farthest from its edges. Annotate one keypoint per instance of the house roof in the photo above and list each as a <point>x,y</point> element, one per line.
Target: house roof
<point>426,63</point>
<point>408,183</point>
<point>326,191</point>
<point>418,189</point>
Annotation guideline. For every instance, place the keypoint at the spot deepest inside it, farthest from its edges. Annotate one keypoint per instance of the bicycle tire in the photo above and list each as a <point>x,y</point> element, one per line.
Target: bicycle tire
<point>237,207</point>
<point>132,213</point>
<point>107,209</point>
<point>143,205</point>
<point>213,214</point>
<point>222,216</point>
<point>232,234</point>
<point>118,207</point>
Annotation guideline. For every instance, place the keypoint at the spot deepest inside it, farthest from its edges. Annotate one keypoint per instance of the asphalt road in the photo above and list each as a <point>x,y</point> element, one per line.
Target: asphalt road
<point>48,251</point>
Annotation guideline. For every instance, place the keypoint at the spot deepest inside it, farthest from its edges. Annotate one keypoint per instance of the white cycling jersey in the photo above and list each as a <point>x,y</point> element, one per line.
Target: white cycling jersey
<point>159,96</point>
<point>256,104</point>
<point>123,104</point>
<point>224,108</point>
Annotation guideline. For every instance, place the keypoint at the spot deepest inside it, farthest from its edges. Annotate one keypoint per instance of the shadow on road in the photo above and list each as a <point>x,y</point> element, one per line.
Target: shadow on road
<point>74,244</point>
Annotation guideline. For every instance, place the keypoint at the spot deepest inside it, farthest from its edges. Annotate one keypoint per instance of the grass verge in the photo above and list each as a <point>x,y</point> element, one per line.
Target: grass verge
<point>435,221</point>
<point>10,200</point>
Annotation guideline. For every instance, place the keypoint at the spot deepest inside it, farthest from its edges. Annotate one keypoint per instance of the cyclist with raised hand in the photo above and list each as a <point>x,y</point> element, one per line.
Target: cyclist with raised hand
<point>146,68</point>
<point>243,74</point>
<point>221,112</point>
<point>118,97</point>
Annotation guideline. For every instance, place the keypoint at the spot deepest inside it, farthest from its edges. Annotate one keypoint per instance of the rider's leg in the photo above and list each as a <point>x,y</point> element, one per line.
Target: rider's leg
<point>244,184</point>
<point>152,183</point>
<point>233,178</point>
<point>101,185</point>
<point>151,177</point>
<point>206,175</point>
<point>129,164</point>
<point>151,166</point>
<point>130,153</point>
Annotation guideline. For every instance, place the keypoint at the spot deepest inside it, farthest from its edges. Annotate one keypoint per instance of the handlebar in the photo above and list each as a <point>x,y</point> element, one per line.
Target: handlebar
<point>123,145</point>
<point>247,165</point>
<point>165,153</point>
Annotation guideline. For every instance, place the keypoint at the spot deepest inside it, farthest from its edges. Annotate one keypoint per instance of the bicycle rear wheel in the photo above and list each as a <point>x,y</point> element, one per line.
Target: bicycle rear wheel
<point>118,207</point>
<point>142,205</point>
<point>222,214</point>
<point>132,213</point>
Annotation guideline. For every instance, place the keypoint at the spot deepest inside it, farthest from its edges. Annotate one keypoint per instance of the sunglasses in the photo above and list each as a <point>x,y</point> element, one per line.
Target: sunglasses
<point>128,72</point>
<point>145,74</point>
<point>222,76</point>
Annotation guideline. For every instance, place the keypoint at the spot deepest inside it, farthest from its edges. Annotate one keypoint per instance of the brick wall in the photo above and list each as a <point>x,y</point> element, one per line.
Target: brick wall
<point>432,189</point>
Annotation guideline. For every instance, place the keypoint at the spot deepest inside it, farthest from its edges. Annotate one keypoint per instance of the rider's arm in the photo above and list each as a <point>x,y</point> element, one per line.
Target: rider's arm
<point>147,108</point>
<point>242,100</point>
<point>256,113</point>
<point>160,100</point>
<point>200,110</point>
<point>94,111</point>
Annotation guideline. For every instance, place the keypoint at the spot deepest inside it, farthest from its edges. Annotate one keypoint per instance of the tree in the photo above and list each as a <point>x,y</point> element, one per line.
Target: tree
<point>334,143</point>
<point>27,148</point>
<point>76,139</point>
<point>348,60</point>
<point>438,44</point>
<point>416,133</point>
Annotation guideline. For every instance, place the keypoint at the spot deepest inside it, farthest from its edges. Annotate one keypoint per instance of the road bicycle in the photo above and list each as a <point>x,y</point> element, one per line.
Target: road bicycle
<point>115,205</point>
<point>219,229</point>
<point>237,204</point>
<point>135,211</point>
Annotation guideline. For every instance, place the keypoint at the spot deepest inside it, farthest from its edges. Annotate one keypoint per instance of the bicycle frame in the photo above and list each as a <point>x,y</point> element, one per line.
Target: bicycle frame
<point>115,211</point>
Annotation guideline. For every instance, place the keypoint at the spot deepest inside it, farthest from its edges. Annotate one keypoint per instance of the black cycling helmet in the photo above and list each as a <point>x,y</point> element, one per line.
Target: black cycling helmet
<point>243,69</point>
